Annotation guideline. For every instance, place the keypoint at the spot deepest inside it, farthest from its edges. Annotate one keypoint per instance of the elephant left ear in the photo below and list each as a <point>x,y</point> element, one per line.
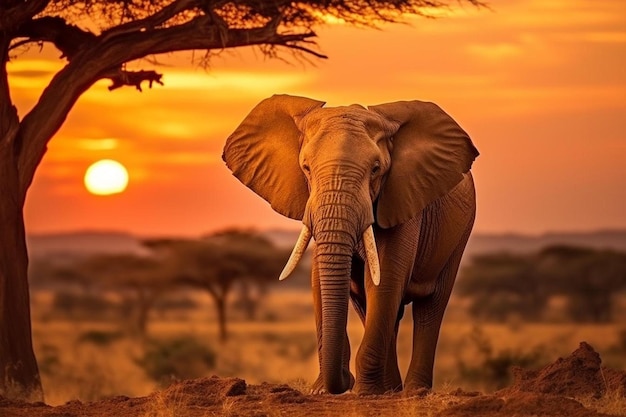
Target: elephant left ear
<point>429,156</point>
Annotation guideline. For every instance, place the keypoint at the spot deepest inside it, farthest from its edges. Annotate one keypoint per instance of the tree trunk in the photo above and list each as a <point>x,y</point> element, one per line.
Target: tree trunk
<point>145,300</point>
<point>19,375</point>
<point>220,305</point>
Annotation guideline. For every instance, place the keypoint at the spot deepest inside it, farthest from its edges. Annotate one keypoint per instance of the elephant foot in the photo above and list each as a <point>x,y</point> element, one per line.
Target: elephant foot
<point>370,389</point>
<point>347,382</point>
<point>416,392</point>
<point>418,386</point>
<point>393,383</point>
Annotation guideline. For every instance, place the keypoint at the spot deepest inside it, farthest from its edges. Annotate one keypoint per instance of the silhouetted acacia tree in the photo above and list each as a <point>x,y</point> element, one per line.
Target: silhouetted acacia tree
<point>127,30</point>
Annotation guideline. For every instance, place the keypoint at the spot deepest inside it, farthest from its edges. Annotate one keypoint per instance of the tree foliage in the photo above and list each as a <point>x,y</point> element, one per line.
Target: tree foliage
<point>220,262</point>
<point>589,278</point>
<point>505,285</point>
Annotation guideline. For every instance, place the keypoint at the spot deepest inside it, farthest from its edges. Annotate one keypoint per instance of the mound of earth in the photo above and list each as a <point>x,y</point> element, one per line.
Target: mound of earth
<point>547,392</point>
<point>578,375</point>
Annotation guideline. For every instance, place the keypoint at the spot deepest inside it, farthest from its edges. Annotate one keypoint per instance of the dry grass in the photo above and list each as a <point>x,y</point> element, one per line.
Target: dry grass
<point>166,405</point>
<point>612,403</point>
<point>282,350</point>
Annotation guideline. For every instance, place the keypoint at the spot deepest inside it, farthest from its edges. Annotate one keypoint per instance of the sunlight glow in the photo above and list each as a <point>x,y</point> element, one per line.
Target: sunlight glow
<point>495,51</point>
<point>105,144</point>
<point>249,81</point>
<point>31,73</point>
<point>106,177</point>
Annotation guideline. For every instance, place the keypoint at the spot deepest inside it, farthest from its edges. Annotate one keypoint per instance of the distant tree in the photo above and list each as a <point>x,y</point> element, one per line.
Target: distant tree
<point>75,305</point>
<point>503,285</point>
<point>263,263</point>
<point>219,263</point>
<point>47,273</point>
<point>590,278</point>
<point>118,32</point>
<point>140,280</point>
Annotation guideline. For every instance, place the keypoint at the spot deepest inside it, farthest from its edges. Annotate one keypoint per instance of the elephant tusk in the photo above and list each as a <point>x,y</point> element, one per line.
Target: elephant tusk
<point>298,250</point>
<point>371,254</point>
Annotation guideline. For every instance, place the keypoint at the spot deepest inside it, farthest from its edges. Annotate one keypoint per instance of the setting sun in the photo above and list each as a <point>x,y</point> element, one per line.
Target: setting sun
<point>106,177</point>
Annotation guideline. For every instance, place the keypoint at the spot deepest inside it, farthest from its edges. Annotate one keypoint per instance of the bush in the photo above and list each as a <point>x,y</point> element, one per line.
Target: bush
<point>100,337</point>
<point>48,359</point>
<point>615,355</point>
<point>180,358</point>
<point>174,304</point>
<point>85,306</point>
<point>490,368</point>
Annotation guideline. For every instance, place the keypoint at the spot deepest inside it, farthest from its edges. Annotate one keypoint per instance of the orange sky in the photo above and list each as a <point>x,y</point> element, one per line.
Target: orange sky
<point>540,85</point>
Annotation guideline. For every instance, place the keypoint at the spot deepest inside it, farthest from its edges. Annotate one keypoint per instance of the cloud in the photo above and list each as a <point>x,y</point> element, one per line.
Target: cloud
<point>609,37</point>
<point>495,51</point>
<point>97,144</point>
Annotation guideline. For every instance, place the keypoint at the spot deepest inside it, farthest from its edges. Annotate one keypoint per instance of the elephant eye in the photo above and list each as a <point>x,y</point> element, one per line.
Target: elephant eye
<point>306,168</point>
<point>376,168</point>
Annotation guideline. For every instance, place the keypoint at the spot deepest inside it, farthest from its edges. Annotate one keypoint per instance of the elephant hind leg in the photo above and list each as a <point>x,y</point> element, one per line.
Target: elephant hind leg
<point>427,317</point>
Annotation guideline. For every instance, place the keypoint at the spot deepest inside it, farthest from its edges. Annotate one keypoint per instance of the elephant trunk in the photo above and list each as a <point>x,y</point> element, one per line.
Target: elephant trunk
<point>335,235</point>
<point>334,267</point>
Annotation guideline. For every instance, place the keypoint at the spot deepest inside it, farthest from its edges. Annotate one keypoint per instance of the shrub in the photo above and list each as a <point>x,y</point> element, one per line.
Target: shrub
<point>100,337</point>
<point>180,358</point>
<point>491,368</point>
<point>48,359</point>
<point>85,306</point>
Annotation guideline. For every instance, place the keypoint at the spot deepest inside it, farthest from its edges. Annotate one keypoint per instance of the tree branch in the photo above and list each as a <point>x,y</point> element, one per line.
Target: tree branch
<point>198,34</point>
<point>96,57</point>
<point>21,12</point>
<point>151,22</point>
<point>303,49</point>
<point>121,78</point>
<point>68,39</point>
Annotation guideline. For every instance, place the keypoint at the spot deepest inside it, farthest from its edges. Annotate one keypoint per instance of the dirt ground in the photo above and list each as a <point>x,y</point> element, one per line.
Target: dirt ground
<point>574,386</point>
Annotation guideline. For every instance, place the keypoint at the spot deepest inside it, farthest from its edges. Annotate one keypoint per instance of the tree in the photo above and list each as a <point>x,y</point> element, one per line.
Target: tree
<point>141,280</point>
<point>588,277</point>
<point>128,30</point>
<point>262,263</point>
<point>502,285</point>
<point>219,262</point>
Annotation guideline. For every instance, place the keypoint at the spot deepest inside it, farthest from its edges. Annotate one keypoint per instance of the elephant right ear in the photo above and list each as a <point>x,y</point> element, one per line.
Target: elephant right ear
<point>263,153</point>
<point>430,154</point>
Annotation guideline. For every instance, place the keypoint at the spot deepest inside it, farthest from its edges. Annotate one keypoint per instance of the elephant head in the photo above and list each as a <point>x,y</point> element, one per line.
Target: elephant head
<point>340,170</point>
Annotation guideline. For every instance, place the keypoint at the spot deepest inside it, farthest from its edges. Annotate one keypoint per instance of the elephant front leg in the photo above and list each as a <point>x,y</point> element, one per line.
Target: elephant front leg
<point>376,362</point>
<point>348,379</point>
<point>376,368</point>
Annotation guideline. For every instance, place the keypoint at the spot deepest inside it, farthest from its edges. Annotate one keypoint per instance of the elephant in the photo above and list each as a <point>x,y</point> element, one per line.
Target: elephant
<point>387,194</point>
